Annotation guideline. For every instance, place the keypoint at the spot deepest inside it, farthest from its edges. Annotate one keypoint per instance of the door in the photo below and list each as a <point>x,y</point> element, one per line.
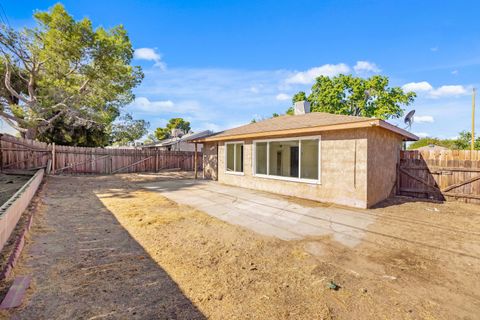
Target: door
<point>294,162</point>
<point>279,163</point>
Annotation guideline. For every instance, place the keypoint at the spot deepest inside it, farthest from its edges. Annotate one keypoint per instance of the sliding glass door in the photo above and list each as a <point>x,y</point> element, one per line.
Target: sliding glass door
<point>292,159</point>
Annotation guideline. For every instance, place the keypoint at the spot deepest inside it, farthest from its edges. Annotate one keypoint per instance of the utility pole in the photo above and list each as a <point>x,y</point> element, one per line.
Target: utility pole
<point>473,119</point>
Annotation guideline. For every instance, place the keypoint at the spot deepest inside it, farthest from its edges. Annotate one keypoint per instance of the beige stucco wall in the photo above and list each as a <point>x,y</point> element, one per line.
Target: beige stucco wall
<point>210,161</point>
<point>358,168</point>
<point>383,155</point>
<point>343,171</point>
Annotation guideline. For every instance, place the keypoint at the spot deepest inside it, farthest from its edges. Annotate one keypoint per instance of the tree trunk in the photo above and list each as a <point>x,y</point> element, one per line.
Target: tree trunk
<point>31,133</point>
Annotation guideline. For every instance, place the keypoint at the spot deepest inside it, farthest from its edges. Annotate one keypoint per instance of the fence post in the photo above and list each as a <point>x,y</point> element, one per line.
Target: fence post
<point>156,160</point>
<point>53,158</point>
<point>195,162</point>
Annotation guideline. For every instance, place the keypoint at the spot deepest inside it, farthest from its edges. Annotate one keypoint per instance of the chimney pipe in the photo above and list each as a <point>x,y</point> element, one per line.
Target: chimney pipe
<point>301,107</point>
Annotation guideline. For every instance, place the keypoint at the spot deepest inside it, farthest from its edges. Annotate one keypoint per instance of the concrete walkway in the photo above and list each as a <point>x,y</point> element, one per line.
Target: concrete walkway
<point>266,213</point>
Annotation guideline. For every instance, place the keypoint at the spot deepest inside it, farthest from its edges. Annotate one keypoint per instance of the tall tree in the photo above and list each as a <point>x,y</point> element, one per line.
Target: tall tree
<point>64,73</point>
<point>174,123</point>
<point>150,139</point>
<point>355,96</point>
<point>127,130</point>
<point>464,141</point>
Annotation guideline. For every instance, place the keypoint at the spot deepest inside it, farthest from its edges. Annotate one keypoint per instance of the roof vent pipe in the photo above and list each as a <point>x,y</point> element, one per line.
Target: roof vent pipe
<point>301,107</point>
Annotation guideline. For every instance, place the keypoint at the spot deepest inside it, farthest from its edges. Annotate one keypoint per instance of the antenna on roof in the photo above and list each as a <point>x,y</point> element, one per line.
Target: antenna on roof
<point>409,119</point>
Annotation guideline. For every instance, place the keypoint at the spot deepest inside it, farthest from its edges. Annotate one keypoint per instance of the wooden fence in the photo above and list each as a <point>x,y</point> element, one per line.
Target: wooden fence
<point>24,154</point>
<point>440,175</point>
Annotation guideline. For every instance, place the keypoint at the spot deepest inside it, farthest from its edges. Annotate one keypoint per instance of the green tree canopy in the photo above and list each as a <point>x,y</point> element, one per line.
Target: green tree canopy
<point>66,75</point>
<point>462,142</point>
<point>150,139</point>
<point>299,96</point>
<point>174,123</point>
<point>127,130</point>
<point>355,96</point>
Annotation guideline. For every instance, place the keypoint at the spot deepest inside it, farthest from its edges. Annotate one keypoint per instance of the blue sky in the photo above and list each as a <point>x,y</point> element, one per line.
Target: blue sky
<point>221,63</point>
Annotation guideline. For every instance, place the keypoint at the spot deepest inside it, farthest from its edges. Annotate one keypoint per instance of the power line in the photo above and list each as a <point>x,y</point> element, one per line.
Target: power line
<point>2,20</point>
<point>5,15</point>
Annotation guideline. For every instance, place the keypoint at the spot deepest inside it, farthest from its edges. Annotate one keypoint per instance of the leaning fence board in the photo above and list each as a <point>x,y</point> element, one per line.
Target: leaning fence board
<point>131,165</point>
<point>23,154</point>
<point>440,175</point>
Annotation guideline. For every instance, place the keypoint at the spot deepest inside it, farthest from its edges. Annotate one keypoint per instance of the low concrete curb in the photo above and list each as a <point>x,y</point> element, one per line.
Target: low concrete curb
<point>16,293</point>
<point>11,212</point>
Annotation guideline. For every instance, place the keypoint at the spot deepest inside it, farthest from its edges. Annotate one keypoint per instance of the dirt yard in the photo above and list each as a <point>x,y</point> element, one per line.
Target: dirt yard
<point>9,184</point>
<point>105,248</point>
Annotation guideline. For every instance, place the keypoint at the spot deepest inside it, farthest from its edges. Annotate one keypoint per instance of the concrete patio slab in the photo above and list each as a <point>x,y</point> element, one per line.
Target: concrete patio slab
<point>265,213</point>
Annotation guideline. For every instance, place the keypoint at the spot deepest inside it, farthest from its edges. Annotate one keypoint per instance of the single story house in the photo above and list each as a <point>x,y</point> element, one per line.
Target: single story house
<point>325,157</point>
<point>180,141</point>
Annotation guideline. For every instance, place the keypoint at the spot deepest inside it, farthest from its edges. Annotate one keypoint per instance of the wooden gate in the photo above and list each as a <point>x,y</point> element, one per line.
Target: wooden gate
<point>24,154</point>
<point>440,175</point>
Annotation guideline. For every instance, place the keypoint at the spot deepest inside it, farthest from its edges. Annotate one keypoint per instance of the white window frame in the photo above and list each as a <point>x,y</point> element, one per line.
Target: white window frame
<point>237,173</point>
<point>292,179</point>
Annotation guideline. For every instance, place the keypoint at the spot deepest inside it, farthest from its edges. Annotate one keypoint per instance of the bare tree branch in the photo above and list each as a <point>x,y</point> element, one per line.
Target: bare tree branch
<point>84,85</point>
<point>31,87</point>
<point>8,84</point>
<point>72,70</point>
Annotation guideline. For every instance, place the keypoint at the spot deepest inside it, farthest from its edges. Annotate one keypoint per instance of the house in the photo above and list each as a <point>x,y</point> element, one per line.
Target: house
<point>319,156</point>
<point>180,141</point>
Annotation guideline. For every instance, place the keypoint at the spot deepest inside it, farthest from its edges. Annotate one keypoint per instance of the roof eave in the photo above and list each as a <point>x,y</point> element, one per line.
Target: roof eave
<point>407,136</point>
<point>303,131</point>
<point>290,132</point>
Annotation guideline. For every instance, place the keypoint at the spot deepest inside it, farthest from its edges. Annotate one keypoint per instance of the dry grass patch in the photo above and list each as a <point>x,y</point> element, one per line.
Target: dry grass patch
<point>231,272</point>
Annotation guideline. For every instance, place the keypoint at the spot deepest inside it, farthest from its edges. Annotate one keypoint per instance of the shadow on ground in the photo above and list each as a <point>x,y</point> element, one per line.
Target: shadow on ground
<point>86,265</point>
<point>398,200</point>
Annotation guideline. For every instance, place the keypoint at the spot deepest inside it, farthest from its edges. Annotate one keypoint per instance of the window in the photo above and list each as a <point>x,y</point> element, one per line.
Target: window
<point>261,157</point>
<point>290,159</point>
<point>234,157</point>
<point>283,158</point>
<point>309,164</point>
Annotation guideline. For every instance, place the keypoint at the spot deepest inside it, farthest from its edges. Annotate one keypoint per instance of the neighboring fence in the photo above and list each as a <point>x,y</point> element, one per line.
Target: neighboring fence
<point>24,154</point>
<point>440,175</point>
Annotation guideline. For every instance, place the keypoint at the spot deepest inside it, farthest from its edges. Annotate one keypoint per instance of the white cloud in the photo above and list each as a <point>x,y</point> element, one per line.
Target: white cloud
<point>434,49</point>
<point>455,72</point>
<point>445,91</point>
<point>282,97</point>
<point>440,92</point>
<point>417,86</point>
<point>421,134</point>
<point>149,54</point>
<point>309,76</point>
<point>217,99</point>
<point>366,67</point>
<point>209,98</point>
<point>423,119</point>
<point>144,105</point>
<point>209,126</point>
